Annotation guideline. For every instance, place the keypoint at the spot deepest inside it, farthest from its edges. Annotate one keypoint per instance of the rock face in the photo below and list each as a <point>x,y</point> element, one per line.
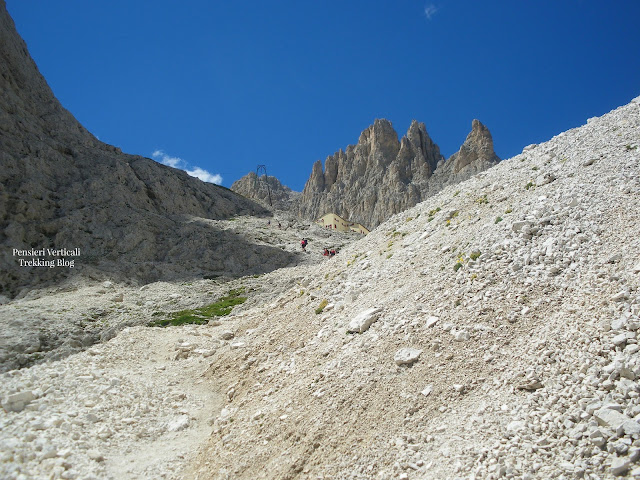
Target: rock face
<point>128,215</point>
<point>476,153</point>
<point>381,176</point>
<point>276,195</point>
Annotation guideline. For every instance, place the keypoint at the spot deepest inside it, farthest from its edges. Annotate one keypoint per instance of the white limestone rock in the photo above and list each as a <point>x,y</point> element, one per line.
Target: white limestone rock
<point>407,356</point>
<point>615,420</point>
<point>361,322</point>
<point>179,423</point>
<point>16,402</point>
<point>431,321</point>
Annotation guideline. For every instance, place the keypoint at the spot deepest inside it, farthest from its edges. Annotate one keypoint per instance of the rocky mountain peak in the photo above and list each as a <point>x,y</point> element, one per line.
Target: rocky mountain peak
<point>477,149</point>
<point>265,189</point>
<point>379,142</point>
<point>381,175</point>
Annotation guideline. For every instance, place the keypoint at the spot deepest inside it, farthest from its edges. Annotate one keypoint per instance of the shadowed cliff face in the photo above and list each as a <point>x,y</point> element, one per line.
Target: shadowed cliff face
<point>381,176</point>
<point>63,188</point>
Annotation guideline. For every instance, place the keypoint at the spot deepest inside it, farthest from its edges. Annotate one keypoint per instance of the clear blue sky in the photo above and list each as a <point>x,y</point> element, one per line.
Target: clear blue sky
<point>224,86</point>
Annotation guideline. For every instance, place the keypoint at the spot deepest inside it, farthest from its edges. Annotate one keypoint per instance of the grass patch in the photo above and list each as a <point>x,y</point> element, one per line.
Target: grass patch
<point>320,308</point>
<point>498,219</point>
<point>201,316</point>
<point>475,255</point>
<point>529,185</point>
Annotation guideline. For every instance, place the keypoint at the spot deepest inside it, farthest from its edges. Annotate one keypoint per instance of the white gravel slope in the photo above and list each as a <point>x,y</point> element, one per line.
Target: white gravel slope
<point>521,363</point>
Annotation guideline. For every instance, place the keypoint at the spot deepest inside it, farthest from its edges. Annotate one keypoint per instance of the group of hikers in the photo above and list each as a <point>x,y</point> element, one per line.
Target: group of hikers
<point>327,253</point>
<point>304,242</point>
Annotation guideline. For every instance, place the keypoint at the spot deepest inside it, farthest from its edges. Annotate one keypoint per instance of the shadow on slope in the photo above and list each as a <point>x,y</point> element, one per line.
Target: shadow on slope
<point>64,189</point>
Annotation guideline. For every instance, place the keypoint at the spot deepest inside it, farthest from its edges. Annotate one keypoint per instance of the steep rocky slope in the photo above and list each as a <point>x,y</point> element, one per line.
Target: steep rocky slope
<point>61,321</point>
<point>489,332</point>
<point>130,217</point>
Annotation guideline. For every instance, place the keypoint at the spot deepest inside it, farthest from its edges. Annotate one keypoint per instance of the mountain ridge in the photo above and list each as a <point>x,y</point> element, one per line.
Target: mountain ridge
<point>381,175</point>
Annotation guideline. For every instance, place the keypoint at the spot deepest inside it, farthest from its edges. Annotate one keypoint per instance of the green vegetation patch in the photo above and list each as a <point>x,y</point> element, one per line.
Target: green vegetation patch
<point>320,308</point>
<point>202,315</point>
<point>482,200</point>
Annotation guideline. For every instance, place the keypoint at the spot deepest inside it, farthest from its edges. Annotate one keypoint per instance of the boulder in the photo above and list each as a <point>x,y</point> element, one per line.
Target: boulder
<point>361,322</point>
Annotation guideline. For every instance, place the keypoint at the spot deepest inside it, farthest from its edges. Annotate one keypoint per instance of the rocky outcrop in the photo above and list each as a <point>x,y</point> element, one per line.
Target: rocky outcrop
<point>129,216</point>
<point>381,175</point>
<point>476,153</point>
<point>266,190</point>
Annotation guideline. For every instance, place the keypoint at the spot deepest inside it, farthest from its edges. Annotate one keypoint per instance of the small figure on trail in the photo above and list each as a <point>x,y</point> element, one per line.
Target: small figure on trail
<point>303,244</point>
<point>268,222</point>
<point>332,252</point>
<point>279,225</point>
<point>326,252</point>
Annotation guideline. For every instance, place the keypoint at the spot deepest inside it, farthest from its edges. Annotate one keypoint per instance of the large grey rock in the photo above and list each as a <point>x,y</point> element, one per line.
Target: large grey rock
<point>616,420</point>
<point>361,322</point>
<point>17,401</point>
<point>407,356</point>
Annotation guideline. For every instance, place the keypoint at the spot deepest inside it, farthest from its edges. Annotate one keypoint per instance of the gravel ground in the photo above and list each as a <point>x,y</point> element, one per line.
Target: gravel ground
<point>489,332</point>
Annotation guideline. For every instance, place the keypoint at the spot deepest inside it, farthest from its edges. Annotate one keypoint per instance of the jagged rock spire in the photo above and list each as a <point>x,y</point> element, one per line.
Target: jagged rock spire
<point>476,151</point>
<point>381,175</point>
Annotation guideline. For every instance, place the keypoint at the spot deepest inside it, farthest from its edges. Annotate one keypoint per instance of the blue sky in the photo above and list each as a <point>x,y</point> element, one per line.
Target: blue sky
<point>217,88</point>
